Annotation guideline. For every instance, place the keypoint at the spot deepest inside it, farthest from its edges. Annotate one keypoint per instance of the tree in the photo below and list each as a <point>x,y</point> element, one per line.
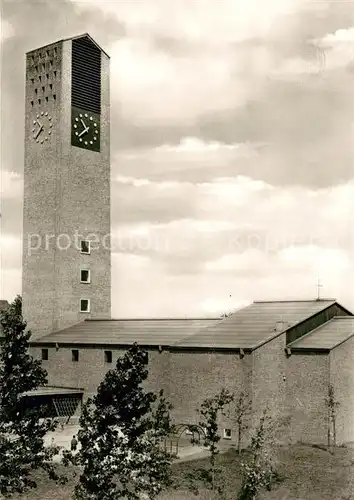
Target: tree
<point>210,411</point>
<point>242,410</point>
<point>258,471</point>
<point>22,430</point>
<point>332,409</point>
<point>121,436</point>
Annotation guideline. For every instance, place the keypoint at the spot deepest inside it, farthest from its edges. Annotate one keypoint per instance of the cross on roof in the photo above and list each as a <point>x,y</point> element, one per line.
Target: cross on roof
<point>319,286</point>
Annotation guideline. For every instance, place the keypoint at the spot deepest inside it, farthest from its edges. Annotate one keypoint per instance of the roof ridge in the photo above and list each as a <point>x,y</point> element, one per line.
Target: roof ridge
<point>295,300</point>
<point>152,319</point>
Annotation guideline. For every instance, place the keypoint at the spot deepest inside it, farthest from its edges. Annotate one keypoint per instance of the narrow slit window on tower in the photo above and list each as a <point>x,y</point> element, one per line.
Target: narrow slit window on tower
<point>55,74</point>
<point>75,355</point>
<point>108,356</point>
<point>47,53</point>
<point>50,63</point>
<point>36,68</point>
<point>46,98</point>
<point>43,89</point>
<point>44,354</point>
<point>40,78</point>
<point>85,276</point>
<point>39,101</point>
<point>85,246</point>
<point>47,76</point>
<point>50,86</point>
<point>32,80</point>
<point>32,103</point>
<point>35,91</point>
<point>55,51</point>
<point>54,97</point>
<point>84,305</point>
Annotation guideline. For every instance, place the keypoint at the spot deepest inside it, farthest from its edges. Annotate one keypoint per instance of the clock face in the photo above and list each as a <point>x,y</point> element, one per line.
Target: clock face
<point>42,127</point>
<point>85,130</point>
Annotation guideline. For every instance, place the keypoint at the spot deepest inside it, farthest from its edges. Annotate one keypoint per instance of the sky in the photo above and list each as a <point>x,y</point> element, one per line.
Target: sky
<point>232,155</point>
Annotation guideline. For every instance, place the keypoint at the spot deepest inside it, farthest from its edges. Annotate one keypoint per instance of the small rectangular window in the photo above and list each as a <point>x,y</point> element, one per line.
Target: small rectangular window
<point>227,433</point>
<point>45,354</point>
<point>55,51</point>
<point>85,276</point>
<point>46,99</point>
<point>35,91</point>
<point>47,76</point>
<point>84,305</point>
<point>54,97</point>
<point>85,246</point>
<point>50,86</point>
<point>32,80</point>
<point>75,355</point>
<point>43,89</point>
<point>47,53</point>
<point>39,101</point>
<point>55,74</point>
<point>108,356</point>
<point>32,103</point>
<point>40,78</point>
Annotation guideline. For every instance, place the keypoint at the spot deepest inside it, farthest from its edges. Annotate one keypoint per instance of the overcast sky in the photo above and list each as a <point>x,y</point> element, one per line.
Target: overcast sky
<point>231,144</point>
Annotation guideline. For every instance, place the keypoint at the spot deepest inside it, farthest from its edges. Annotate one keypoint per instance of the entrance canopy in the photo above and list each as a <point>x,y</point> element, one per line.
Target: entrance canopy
<point>57,402</point>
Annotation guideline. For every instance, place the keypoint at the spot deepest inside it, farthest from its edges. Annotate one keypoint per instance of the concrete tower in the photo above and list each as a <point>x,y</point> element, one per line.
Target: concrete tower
<point>66,214</point>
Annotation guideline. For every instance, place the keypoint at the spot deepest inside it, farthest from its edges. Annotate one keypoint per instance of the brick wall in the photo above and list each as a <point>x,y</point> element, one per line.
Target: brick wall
<point>268,384</point>
<point>306,388</point>
<point>66,190</point>
<point>342,378</point>
<point>195,376</point>
<point>186,378</point>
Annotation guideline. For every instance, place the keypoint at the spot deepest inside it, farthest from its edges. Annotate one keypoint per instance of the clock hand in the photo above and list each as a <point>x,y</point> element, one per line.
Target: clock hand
<point>84,124</point>
<point>84,131</point>
<point>39,131</point>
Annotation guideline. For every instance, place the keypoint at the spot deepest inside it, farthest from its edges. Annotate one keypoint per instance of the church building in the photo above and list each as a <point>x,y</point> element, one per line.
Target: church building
<point>283,354</point>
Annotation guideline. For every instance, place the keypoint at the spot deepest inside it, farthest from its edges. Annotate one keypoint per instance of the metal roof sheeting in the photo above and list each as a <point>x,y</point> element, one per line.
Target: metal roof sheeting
<point>246,328</point>
<point>255,324</point>
<point>153,332</point>
<point>328,335</point>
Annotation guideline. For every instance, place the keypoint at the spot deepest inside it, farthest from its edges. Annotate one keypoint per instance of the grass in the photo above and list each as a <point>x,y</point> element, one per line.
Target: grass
<point>308,473</point>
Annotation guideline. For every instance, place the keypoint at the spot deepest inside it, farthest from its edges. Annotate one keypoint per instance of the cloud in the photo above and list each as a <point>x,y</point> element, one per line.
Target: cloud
<point>7,31</point>
<point>338,48</point>
<point>231,140</point>
<point>11,185</point>
<point>234,217</point>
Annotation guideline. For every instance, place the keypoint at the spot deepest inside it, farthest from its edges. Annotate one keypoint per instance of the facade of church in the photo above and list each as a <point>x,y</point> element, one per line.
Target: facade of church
<point>284,355</point>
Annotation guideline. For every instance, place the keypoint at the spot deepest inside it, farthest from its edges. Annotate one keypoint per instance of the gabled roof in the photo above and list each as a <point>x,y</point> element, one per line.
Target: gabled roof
<point>247,328</point>
<point>255,324</point>
<point>71,38</point>
<point>327,336</point>
<point>148,332</point>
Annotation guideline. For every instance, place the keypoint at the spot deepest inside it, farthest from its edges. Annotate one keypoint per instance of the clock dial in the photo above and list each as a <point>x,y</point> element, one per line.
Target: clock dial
<point>85,130</point>
<point>42,127</point>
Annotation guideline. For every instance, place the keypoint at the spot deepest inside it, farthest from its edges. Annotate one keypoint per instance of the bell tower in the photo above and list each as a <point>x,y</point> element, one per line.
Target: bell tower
<point>66,213</point>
